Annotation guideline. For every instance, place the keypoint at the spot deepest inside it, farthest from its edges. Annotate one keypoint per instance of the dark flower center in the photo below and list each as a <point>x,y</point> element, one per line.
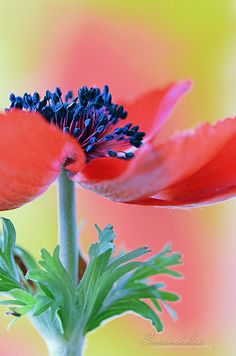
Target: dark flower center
<point>90,117</point>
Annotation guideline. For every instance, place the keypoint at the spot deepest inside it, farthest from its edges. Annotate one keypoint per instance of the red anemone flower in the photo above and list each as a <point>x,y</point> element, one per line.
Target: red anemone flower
<point>85,136</point>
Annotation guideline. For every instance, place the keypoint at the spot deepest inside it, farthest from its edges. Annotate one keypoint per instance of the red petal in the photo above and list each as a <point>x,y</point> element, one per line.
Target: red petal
<point>155,105</point>
<point>181,170</point>
<point>101,169</point>
<point>215,181</point>
<point>151,110</point>
<point>32,153</point>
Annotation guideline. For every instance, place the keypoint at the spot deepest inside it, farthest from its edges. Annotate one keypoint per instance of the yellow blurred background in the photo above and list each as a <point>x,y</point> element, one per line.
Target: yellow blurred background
<point>133,46</point>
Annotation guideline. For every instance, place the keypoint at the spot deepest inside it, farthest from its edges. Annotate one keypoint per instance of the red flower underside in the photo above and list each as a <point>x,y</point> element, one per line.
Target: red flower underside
<point>32,153</point>
<point>149,110</point>
<point>192,168</point>
<point>189,169</point>
<point>214,182</point>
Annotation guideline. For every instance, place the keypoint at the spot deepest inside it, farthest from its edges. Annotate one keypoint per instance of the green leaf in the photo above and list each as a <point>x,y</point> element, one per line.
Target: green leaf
<point>125,283</point>
<point>107,281</point>
<point>23,296</point>
<point>100,254</point>
<point>128,256</point>
<point>157,265</point>
<point>90,281</point>
<point>156,304</point>
<point>169,296</point>
<point>25,256</point>
<point>11,302</point>
<point>138,292</point>
<point>22,310</point>
<point>7,262</point>
<point>109,287</point>
<point>42,305</point>
<point>43,287</point>
<point>9,276</point>
<point>55,283</point>
<point>125,306</point>
<point>106,238</point>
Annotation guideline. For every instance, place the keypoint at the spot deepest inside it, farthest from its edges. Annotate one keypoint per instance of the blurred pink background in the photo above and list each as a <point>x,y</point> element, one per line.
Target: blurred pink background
<point>133,46</point>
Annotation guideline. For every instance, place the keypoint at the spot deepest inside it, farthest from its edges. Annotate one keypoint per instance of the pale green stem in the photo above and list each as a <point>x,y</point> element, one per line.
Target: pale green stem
<point>68,225</point>
<point>67,349</point>
<point>58,344</point>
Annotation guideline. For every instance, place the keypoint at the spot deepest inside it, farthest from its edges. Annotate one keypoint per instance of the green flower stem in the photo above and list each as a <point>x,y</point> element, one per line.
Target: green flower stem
<point>56,343</point>
<point>67,349</point>
<point>67,225</point>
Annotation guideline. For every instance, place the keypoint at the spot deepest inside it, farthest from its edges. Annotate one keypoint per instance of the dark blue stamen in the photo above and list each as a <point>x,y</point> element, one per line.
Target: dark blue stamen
<point>48,112</point>
<point>92,140</point>
<point>48,94</point>
<point>69,95</point>
<point>66,129</point>
<point>87,122</point>
<point>118,131</point>
<point>91,118</point>
<point>36,98</point>
<point>12,97</point>
<point>89,148</point>
<point>100,128</point>
<point>129,155</point>
<point>139,135</point>
<point>71,106</point>
<point>18,103</point>
<point>58,92</point>
<point>112,153</point>
<point>77,132</point>
<point>108,137</point>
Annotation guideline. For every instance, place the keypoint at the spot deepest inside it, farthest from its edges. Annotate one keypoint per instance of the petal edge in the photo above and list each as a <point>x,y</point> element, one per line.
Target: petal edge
<point>32,153</point>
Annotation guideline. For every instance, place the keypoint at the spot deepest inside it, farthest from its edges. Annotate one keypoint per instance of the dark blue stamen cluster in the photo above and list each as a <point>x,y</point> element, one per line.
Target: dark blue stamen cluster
<point>90,117</point>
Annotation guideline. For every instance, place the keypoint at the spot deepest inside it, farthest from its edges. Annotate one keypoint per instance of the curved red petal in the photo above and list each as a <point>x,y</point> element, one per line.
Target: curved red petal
<point>166,168</point>
<point>154,106</point>
<point>151,110</point>
<point>32,153</point>
<point>214,182</point>
<point>100,169</point>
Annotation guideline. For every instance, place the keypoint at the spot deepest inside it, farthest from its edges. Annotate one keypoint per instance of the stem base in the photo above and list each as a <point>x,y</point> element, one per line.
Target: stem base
<point>70,348</point>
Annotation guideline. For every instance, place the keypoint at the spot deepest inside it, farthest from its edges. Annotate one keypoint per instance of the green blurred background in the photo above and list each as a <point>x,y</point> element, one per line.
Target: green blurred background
<point>133,46</point>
